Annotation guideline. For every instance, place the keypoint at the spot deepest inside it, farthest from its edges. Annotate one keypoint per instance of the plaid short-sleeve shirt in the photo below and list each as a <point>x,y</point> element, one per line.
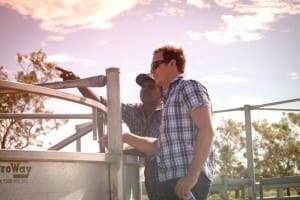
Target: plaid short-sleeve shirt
<point>177,131</point>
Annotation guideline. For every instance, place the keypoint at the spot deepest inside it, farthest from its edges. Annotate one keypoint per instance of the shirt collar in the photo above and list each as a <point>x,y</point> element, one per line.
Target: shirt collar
<point>176,79</point>
<point>173,83</point>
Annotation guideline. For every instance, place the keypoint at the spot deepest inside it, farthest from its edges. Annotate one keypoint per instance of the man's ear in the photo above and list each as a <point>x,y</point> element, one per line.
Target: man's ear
<point>173,62</point>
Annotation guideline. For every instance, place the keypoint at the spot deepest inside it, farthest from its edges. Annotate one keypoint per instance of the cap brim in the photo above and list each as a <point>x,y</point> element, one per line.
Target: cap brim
<point>141,78</point>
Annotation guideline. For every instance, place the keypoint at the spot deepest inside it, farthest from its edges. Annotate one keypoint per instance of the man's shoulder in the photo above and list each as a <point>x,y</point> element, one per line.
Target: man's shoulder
<point>137,105</point>
<point>132,106</point>
<point>190,82</point>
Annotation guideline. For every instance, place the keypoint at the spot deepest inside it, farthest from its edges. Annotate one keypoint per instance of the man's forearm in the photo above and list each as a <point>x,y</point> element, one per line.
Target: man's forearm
<point>203,120</point>
<point>144,144</point>
<point>202,151</point>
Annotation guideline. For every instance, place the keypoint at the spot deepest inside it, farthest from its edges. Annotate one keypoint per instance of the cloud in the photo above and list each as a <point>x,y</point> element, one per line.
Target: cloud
<point>64,17</point>
<point>56,38</point>
<point>242,100</point>
<point>43,44</point>
<point>293,75</point>
<point>52,38</point>
<point>246,22</point>
<point>170,11</point>
<point>238,28</point>
<point>227,3</point>
<point>65,58</point>
<point>103,42</point>
<point>60,58</point>
<point>223,79</point>
<point>167,9</point>
<point>198,3</point>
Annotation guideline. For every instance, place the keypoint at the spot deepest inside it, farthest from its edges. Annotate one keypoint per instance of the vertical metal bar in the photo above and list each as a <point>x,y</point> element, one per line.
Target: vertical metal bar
<point>261,190</point>
<point>250,160</point>
<point>78,145</point>
<point>100,126</point>
<point>243,192</point>
<point>78,141</point>
<point>95,120</point>
<point>223,193</point>
<point>114,131</point>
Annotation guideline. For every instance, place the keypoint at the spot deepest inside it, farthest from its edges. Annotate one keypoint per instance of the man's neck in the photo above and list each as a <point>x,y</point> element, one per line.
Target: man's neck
<point>172,77</point>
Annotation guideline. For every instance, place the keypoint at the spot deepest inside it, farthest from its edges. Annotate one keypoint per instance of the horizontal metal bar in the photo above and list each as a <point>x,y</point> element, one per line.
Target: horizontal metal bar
<point>282,198</point>
<point>278,109</point>
<point>275,103</point>
<point>22,87</point>
<point>94,81</point>
<point>72,138</point>
<point>45,116</point>
<point>280,180</point>
<point>258,107</point>
<point>56,156</point>
<point>229,110</point>
<point>238,182</point>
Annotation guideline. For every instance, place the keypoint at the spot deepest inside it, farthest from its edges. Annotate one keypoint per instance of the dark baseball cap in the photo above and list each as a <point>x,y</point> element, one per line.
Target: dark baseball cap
<point>141,78</point>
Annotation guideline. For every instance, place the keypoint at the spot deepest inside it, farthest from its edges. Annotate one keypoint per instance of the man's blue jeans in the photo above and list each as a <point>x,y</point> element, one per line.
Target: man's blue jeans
<point>200,190</point>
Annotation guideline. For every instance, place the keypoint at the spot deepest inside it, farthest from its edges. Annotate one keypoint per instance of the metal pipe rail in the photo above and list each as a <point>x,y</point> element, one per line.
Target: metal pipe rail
<point>95,81</point>
<point>13,87</point>
<point>260,107</point>
<point>44,116</point>
<point>80,133</point>
<point>57,156</point>
<point>279,183</point>
<point>114,177</point>
<point>251,182</point>
<point>222,184</point>
<point>7,86</point>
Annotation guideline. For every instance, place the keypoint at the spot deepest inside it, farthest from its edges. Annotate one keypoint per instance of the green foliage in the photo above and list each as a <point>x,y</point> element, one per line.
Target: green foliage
<point>276,147</point>
<point>230,146</point>
<point>20,133</point>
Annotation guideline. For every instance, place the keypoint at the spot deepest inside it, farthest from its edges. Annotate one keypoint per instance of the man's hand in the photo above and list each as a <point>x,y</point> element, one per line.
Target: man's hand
<point>67,75</point>
<point>184,185</point>
<point>104,141</point>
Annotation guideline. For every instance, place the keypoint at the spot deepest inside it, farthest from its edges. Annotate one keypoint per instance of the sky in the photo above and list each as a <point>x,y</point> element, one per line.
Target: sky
<point>244,52</point>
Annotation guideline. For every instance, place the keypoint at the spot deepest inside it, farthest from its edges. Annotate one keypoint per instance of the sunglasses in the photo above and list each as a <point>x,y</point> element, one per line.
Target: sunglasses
<point>155,64</point>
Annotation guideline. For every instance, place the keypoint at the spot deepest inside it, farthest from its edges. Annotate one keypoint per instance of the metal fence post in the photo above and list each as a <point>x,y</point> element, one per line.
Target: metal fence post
<point>114,131</point>
<point>250,160</point>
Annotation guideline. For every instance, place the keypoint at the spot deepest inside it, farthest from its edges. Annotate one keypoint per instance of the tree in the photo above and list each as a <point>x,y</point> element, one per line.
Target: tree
<point>230,144</point>
<point>277,147</point>
<point>20,133</point>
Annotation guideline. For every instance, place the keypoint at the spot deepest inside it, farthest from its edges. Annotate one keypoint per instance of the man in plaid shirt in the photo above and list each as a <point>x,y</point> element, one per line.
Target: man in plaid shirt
<point>184,146</point>
<point>143,119</point>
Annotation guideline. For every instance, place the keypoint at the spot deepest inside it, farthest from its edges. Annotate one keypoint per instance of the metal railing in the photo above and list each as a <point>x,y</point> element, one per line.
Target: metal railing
<point>222,184</point>
<point>279,183</point>
<point>112,111</point>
